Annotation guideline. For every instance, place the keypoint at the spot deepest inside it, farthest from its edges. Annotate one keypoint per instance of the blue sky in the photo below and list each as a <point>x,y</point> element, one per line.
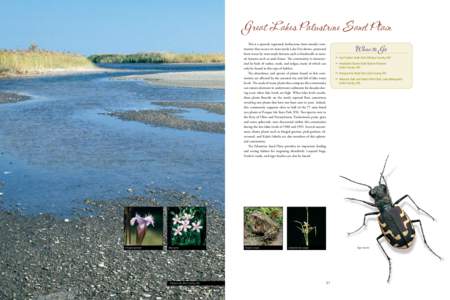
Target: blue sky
<point>114,26</point>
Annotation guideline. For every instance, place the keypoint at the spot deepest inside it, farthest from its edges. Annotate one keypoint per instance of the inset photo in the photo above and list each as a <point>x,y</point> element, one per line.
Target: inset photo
<point>143,228</point>
<point>186,228</point>
<point>263,228</point>
<point>306,228</point>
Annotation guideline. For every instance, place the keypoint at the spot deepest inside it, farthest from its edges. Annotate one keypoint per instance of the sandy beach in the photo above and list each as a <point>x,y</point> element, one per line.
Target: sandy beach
<point>169,118</point>
<point>199,79</point>
<point>213,107</point>
<point>6,97</point>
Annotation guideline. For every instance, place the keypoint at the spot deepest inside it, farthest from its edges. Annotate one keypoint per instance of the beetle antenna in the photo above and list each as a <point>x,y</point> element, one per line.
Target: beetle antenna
<point>384,167</point>
<point>356,182</point>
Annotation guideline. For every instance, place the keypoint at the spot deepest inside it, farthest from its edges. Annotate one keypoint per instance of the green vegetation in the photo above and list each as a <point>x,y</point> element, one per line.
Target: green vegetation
<point>152,238</point>
<point>157,58</point>
<point>35,61</point>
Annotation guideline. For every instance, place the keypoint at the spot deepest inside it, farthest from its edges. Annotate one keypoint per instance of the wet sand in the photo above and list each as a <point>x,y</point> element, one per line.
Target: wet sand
<point>6,97</point>
<point>169,118</point>
<point>213,107</point>
<point>199,79</point>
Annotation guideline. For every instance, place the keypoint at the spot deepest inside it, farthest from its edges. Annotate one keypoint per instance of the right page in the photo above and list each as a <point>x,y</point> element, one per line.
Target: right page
<point>336,149</point>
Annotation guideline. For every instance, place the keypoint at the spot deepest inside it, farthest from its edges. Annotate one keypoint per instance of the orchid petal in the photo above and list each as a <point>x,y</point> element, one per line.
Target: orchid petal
<point>149,220</point>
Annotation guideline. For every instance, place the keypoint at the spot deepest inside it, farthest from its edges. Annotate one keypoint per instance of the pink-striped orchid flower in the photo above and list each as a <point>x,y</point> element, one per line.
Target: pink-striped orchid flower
<point>142,224</point>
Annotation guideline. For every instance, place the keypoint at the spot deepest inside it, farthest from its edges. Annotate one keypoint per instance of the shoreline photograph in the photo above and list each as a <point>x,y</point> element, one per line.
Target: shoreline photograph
<point>105,106</point>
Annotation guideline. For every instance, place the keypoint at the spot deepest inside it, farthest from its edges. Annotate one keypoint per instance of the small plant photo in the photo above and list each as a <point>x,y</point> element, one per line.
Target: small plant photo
<point>306,228</point>
<point>143,228</point>
<point>186,228</point>
<point>263,228</point>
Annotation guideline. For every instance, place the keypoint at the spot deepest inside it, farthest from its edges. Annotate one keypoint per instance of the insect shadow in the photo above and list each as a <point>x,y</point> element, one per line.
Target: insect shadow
<point>396,226</point>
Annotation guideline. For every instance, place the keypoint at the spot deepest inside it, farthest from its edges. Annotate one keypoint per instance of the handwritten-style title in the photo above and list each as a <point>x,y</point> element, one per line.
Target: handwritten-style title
<point>283,26</point>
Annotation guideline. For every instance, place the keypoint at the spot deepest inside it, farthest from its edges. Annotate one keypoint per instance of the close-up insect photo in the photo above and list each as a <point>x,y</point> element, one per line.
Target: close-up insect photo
<point>398,231</point>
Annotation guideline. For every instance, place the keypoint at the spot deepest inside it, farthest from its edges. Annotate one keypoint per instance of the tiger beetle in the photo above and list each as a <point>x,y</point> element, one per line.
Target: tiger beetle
<point>396,227</point>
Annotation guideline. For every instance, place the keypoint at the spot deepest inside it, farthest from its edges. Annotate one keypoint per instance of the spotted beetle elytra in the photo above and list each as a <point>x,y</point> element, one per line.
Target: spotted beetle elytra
<point>396,227</point>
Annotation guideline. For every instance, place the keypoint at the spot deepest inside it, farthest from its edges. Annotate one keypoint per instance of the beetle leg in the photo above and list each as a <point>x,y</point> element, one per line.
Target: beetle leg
<point>417,206</point>
<point>365,202</point>
<point>387,256</point>
<point>364,222</point>
<point>424,239</point>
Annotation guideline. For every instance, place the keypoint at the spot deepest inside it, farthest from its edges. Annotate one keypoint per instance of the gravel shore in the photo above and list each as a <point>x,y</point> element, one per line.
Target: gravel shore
<point>82,257</point>
<point>199,79</point>
<point>6,97</point>
<point>169,118</point>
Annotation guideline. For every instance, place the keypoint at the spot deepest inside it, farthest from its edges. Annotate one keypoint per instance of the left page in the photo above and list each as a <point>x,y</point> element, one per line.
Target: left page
<point>112,150</point>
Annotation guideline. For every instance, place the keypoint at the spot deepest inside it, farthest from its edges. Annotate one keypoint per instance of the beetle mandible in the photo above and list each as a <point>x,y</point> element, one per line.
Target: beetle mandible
<point>396,227</point>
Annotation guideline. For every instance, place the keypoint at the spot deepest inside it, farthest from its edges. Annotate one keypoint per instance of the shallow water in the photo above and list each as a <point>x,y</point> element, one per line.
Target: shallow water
<point>58,148</point>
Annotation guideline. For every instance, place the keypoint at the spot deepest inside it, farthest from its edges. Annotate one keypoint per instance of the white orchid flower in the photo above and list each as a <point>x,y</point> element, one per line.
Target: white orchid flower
<point>196,226</point>
<point>187,216</point>
<point>176,220</point>
<point>185,225</point>
<point>178,231</point>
